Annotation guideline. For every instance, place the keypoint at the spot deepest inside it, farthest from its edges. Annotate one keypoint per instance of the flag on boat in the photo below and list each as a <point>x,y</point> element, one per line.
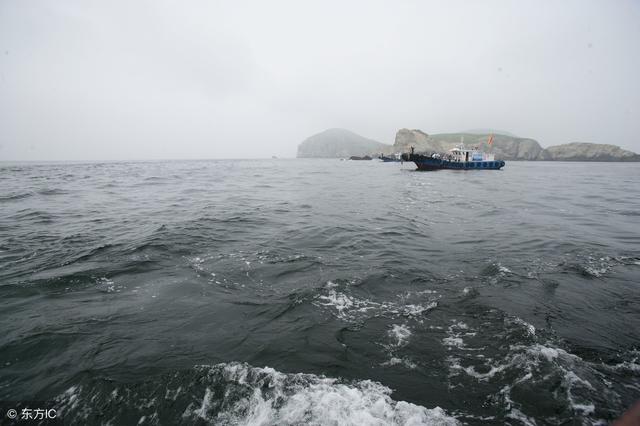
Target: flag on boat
<point>490,140</point>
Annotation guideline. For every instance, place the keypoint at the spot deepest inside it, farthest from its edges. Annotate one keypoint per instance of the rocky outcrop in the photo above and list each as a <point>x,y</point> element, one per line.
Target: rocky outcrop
<point>580,151</point>
<point>504,147</point>
<point>339,143</point>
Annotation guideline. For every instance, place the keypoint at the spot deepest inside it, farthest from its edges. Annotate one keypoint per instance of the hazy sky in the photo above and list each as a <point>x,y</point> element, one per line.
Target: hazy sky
<point>189,79</point>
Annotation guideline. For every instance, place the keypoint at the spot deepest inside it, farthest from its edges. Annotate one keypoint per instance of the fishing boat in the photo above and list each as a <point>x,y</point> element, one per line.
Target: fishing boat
<point>458,158</point>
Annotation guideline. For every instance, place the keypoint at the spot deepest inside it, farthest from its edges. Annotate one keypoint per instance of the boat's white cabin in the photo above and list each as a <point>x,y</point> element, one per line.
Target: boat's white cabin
<point>460,153</point>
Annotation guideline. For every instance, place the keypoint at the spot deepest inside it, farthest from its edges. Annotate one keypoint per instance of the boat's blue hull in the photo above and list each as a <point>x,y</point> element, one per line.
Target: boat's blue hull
<point>428,163</point>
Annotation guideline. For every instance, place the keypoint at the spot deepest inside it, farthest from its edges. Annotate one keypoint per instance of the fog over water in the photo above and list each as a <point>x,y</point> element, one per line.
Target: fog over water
<point>148,80</point>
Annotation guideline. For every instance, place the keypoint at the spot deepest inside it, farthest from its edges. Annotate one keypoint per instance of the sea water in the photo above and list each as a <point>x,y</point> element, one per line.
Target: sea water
<point>320,292</point>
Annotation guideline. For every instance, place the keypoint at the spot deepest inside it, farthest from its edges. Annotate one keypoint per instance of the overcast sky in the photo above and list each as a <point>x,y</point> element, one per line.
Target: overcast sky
<point>111,80</point>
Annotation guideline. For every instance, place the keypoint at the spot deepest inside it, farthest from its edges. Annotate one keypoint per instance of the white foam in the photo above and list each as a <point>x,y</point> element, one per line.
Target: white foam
<point>513,412</point>
<point>524,378</point>
<point>459,324</point>
<point>521,358</point>
<point>455,333</point>
<point>516,414</point>
<point>290,399</point>
<point>393,361</point>
<point>531,360</point>
<point>71,402</point>
<point>482,376</point>
<point>629,366</point>
<point>331,284</point>
<point>415,310</point>
<point>586,409</point>
<point>350,308</point>
<point>427,292</point>
<point>549,353</point>
<point>400,333</point>
<point>108,286</point>
<point>595,271</point>
<point>534,363</point>
<point>196,263</point>
<point>504,269</point>
<point>597,267</point>
<point>571,380</point>
<point>531,330</point>
<point>406,362</point>
<point>341,302</point>
<point>172,394</point>
<point>453,341</point>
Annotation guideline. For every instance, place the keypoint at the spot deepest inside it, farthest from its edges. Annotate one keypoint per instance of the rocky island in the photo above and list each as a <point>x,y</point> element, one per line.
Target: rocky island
<point>339,143</point>
<point>580,151</point>
<point>342,143</point>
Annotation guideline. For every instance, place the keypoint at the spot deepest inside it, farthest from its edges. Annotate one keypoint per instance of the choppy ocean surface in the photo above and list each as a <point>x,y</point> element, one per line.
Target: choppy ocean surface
<point>321,292</point>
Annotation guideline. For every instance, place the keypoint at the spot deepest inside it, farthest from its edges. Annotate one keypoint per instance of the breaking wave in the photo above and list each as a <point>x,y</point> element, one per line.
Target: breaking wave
<point>238,394</point>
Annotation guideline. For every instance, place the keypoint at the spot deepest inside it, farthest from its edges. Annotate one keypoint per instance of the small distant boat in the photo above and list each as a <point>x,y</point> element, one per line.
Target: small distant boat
<point>458,158</point>
<point>356,158</point>
<point>390,158</point>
